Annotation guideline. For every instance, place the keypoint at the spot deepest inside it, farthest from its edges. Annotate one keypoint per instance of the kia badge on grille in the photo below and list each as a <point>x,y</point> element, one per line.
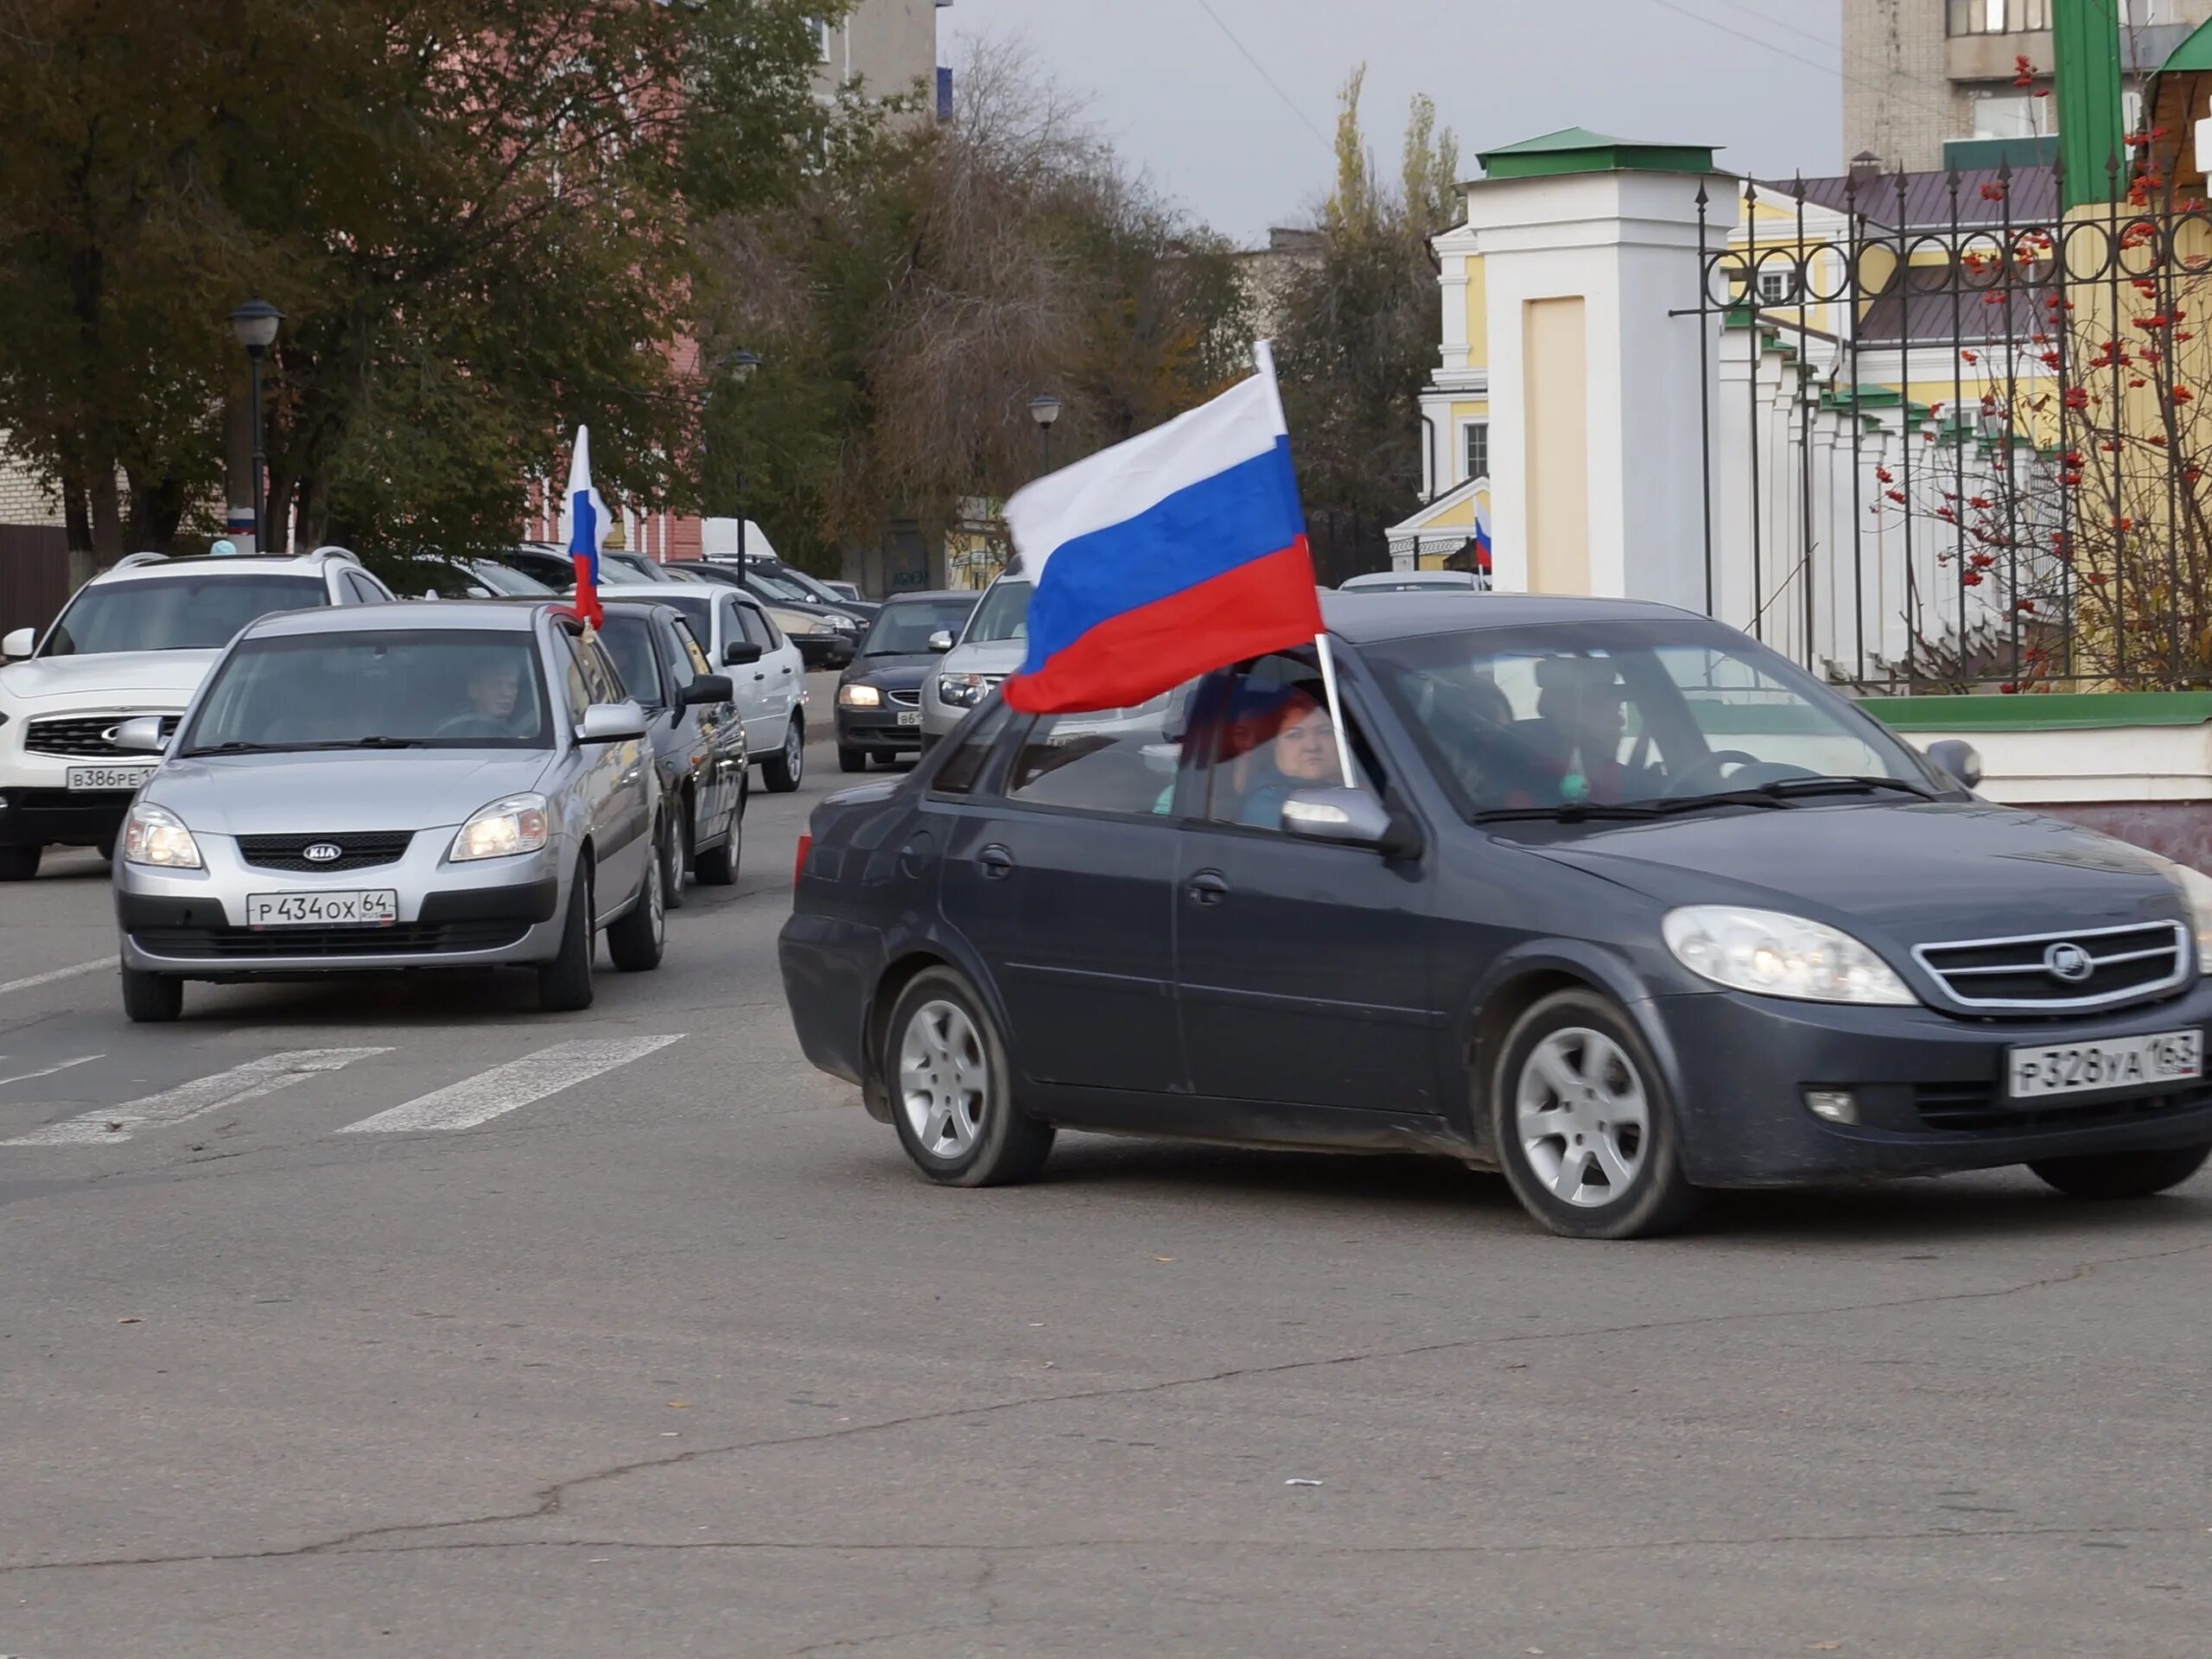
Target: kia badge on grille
<point>321,852</point>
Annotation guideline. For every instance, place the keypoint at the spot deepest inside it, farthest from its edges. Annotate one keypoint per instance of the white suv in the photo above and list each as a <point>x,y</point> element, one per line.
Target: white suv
<point>135,640</point>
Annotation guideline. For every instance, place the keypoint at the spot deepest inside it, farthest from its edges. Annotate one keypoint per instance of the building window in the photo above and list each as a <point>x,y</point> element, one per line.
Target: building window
<point>1998,17</point>
<point>1776,286</point>
<point>1476,455</point>
<point>821,39</point>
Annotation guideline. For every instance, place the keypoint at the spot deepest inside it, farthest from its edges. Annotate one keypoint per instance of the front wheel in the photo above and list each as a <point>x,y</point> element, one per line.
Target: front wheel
<point>634,941</point>
<point>951,1089</point>
<point>151,999</point>
<point>2122,1175</point>
<point>1582,1125</point>
<point>783,770</point>
<point>717,865</point>
<point>565,984</point>
<point>19,863</point>
<point>851,759</point>
<point>676,854</point>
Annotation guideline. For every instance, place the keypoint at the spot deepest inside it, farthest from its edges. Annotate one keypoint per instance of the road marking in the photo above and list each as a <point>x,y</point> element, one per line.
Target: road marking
<point>25,1076</point>
<point>59,973</point>
<point>234,1087</point>
<point>503,1088</point>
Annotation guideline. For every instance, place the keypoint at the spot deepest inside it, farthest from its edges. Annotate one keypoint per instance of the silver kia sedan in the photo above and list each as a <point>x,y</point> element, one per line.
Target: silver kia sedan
<point>413,787</point>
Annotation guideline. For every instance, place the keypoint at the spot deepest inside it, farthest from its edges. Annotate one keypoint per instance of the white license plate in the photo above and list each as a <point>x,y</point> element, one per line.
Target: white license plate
<point>108,777</point>
<point>910,716</point>
<point>375,904</point>
<point>2115,1062</point>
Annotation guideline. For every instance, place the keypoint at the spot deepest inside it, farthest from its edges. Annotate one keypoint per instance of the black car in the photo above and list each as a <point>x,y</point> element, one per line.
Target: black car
<point>1619,901</point>
<point>698,740</point>
<point>879,696</point>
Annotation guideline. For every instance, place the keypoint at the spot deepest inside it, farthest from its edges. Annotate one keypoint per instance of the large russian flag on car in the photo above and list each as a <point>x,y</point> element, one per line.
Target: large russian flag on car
<point>1178,552</point>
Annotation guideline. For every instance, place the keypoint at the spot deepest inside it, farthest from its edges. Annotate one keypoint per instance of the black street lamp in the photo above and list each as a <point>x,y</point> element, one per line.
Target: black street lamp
<point>1045,409</point>
<point>740,365</point>
<point>254,324</point>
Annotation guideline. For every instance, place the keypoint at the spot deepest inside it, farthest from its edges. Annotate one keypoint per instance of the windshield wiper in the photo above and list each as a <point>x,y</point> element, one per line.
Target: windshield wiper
<point>1840,786</point>
<point>1575,811</point>
<point>236,747</point>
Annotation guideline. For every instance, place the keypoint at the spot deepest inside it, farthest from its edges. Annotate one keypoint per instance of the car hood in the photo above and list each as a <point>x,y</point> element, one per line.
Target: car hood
<point>1919,873</point>
<point>149,679</point>
<point>995,656</point>
<point>900,673</point>
<point>351,789</point>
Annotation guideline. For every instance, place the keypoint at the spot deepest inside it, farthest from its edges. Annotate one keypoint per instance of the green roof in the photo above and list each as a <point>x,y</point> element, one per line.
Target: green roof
<point>1577,149</point>
<point>2193,55</point>
<point>2045,711</point>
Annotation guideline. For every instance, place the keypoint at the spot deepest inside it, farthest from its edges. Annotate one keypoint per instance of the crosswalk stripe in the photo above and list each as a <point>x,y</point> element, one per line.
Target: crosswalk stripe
<point>234,1087</point>
<point>494,1093</point>
<point>70,972</point>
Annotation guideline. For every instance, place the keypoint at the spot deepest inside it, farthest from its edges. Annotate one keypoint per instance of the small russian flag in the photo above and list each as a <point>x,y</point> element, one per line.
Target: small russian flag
<point>584,528</point>
<point>1481,542</point>
<point>1165,557</point>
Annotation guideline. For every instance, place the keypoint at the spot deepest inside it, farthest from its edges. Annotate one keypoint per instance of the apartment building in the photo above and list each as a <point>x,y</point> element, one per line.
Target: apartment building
<point>1920,74</point>
<point>890,47</point>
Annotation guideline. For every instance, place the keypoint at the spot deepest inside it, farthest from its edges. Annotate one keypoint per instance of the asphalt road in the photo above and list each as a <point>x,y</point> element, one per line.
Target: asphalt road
<point>653,1346</point>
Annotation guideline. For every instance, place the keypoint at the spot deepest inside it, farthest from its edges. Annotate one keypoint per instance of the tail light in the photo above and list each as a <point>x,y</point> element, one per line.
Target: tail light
<point>799,864</point>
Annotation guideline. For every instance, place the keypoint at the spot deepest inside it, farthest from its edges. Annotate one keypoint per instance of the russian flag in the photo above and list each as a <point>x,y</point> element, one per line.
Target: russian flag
<point>1482,543</point>
<point>1170,556</point>
<point>586,528</point>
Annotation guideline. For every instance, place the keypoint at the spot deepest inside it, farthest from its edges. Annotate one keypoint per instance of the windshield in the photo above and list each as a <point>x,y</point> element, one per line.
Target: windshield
<point>807,586</point>
<point>377,687</point>
<point>500,580</point>
<point>903,628</point>
<point>1624,714</point>
<point>628,639</point>
<point>194,612</point>
<point>1004,614</point>
<point>781,587</point>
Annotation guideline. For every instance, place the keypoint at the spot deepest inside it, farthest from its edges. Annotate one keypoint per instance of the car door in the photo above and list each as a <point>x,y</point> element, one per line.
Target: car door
<point>780,679</point>
<point>1303,970</point>
<point>1061,876</point>
<point>716,736</point>
<point>618,785</point>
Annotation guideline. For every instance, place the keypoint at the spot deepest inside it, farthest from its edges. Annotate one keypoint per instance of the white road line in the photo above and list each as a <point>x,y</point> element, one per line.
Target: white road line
<point>59,973</point>
<point>493,1094</point>
<point>25,1076</point>
<point>234,1087</point>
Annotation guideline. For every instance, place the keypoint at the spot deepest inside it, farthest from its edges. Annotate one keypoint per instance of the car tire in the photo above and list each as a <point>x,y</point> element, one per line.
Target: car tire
<point>565,984</point>
<point>1580,1122</point>
<point>635,940</point>
<point>951,1089</point>
<point>2122,1174</point>
<point>19,863</point>
<point>784,771</point>
<point>151,999</point>
<point>717,865</point>
<point>106,849</point>
<point>851,759</point>
<point>676,854</point>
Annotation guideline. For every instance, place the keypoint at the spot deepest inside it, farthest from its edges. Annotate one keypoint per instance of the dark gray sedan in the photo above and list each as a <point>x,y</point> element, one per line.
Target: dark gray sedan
<point>879,696</point>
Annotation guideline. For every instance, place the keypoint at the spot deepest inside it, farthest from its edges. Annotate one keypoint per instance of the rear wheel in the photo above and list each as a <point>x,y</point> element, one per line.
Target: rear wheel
<point>634,942</point>
<point>1582,1124</point>
<point>565,984</point>
<point>19,863</point>
<point>2122,1175</point>
<point>717,865</point>
<point>783,770</point>
<point>151,999</point>
<point>851,759</point>
<point>951,1089</point>
<point>676,854</point>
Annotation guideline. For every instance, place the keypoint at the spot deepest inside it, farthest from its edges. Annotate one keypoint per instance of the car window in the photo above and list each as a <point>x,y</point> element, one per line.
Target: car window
<point>1004,614</point>
<point>1121,760</point>
<point>364,592</point>
<point>501,579</point>
<point>757,628</point>
<point>971,748</point>
<point>184,612</point>
<point>601,674</point>
<point>692,649</point>
<point>576,680</point>
<point>903,628</point>
<point>627,636</point>
<point>1270,733</point>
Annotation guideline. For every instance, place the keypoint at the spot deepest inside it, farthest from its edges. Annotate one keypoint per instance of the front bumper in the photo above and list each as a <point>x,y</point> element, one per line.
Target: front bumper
<point>63,818</point>
<point>878,730</point>
<point>1930,1089</point>
<point>495,913</point>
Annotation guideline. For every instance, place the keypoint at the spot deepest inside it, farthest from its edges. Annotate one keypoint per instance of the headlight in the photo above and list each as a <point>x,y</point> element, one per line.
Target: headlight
<point>502,829</point>
<point>2195,888</point>
<point>1775,955</point>
<point>859,696</point>
<point>154,834</point>
<point>963,690</point>
<point>840,623</point>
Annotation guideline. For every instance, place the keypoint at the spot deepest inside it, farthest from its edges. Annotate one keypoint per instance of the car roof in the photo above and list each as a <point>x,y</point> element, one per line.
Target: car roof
<point>1363,618</point>
<point>208,564</point>
<point>517,615</point>
<point>938,595</point>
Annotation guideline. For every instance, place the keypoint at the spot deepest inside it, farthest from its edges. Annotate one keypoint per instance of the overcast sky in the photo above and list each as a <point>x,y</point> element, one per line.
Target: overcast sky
<point>1184,103</point>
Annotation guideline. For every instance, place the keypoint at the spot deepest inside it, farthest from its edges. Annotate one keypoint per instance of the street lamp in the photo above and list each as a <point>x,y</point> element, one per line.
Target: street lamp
<point>254,324</point>
<point>1045,409</point>
<point>740,365</point>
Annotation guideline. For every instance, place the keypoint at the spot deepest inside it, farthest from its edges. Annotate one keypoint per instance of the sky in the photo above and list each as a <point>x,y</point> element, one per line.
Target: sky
<point>1227,104</point>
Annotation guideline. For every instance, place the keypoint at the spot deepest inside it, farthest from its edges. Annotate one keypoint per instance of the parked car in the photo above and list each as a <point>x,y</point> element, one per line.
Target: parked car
<point>879,697</point>
<point>811,586</point>
<point>136,640</point>
<point>391,788</point>
<point>826,638</point>
<point>770,689</point>
<point>846,590</point>
<point>440,577</point>
<point>697,737</point>
<point>977,657</point>
<point>542,562</point>
<point>1619,902</point>
<point>1416,581</point>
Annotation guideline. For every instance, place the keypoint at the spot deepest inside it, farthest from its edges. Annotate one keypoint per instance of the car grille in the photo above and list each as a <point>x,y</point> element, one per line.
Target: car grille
<point>907,699</point>
<point>1972,1108</point>
<point>2017,975</point>
<point>358,850</point>
<point>83,737</point>
<point>400,940</point>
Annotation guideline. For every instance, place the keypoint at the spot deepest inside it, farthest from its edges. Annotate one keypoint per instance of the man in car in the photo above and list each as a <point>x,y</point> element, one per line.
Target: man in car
<point>494,690</point>
<point>1579,704</point>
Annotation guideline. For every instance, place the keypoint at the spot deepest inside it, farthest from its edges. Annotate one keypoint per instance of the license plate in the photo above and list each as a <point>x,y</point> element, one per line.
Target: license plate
<point>910,716</point>
<point>108,777</point>
<point>2115,1062</point>
<point>379,905</point>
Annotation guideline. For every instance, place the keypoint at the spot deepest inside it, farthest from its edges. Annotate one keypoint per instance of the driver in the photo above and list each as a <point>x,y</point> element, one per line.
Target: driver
<point>494,693</point>
<point>1581,717</point>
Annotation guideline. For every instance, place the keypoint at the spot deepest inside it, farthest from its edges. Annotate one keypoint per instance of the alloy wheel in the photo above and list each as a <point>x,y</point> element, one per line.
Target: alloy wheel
<point>1583,1117</point>
<point>944,1079</point>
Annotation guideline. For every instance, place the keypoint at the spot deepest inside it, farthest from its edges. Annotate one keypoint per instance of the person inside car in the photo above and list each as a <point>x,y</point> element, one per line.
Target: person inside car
<point>1575,753</point>
<point>494,691</point>
<point>1285,745</point>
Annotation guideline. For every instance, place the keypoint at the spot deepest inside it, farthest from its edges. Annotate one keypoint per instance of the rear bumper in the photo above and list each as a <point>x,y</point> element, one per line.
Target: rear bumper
<point>44,817</point>
<point>830,968</point>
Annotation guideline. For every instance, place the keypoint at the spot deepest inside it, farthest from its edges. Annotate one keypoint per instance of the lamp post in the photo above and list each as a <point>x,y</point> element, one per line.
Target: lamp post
<point>1045,409</point>
<point>740,365</point>
<point>254,324</point>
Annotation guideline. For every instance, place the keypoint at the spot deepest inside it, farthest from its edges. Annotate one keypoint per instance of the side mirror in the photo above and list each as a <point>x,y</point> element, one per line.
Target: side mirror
<point>1349,817</point>
<point>140,735</point>
<point>1957,760</point>
<point>712,688</point>
<point>940,641</point>
<point>19,643</point>
<point>739,653</point>
<point>613,723</point>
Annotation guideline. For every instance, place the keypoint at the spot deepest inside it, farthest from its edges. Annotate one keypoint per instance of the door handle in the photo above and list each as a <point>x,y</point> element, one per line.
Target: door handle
<point>997,862</point>
<point>1207,887</point>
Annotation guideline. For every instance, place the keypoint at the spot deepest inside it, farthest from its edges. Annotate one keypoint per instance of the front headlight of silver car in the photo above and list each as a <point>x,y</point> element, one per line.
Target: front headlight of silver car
<point>2196,889</point>
<point>1773,954</point>
<point>506,828</point>
<point>154,835</point>
<point>963,690</point>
